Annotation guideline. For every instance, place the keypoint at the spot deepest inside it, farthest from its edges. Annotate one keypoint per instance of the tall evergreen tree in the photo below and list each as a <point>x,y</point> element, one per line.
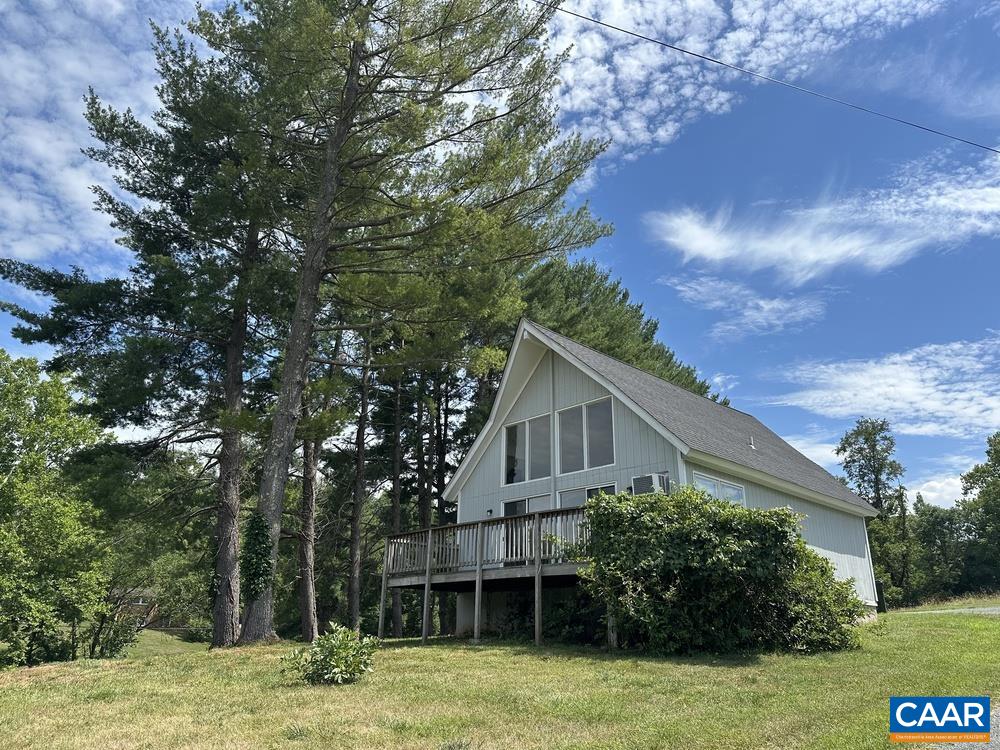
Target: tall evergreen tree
<point>201,203</point>
<point>430,146</point>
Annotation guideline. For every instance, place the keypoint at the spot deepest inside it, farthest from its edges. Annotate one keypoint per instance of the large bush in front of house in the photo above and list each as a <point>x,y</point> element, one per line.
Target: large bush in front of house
<point>338,657</point>
<point>684,573</point>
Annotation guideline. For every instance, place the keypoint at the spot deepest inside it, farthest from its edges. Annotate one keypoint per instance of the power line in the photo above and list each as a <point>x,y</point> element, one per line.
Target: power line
<point>769,79</point>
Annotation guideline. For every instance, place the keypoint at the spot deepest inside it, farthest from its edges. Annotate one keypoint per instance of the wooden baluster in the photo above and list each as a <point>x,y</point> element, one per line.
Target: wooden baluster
<point>385,586</point>
<point>426,624</point>
<point>537,528</point>
<point>480,533</point>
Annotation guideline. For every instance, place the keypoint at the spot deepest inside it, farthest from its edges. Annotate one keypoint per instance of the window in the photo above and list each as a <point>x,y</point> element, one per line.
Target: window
<point>526,505</point>
<point>571,440</point>
<point>539,463</point>
<point>586,436</point>
<point>514,469</point>
<point>576,498</point>
<point>600,443</point>
<point>527,448</point>
<point>720,489</point>
<point>515,508</point>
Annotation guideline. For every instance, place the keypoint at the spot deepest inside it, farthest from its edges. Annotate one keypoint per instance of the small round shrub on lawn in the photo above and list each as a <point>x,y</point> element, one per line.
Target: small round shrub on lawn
<point>338,657</point>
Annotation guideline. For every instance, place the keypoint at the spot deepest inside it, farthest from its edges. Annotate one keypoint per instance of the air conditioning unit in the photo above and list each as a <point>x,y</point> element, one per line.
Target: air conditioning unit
<point>647,483</point>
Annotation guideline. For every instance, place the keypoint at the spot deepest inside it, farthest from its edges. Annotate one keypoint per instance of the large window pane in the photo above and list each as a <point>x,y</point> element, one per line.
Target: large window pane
<point>514,466</point>
<point>538,445</point>
<point>571,440</point>
<point>600,442</point>
<point>515,508</point>
<point>572,498</point>
<point>540,503</point>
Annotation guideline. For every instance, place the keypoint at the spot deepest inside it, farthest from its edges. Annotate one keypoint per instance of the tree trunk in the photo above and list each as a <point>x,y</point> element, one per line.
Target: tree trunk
<point>360,494</point>
<point>226,602</point>
<point>423,496</point>
<point>440,451</point>
<point>258,622</point>
<point>397,493</point>
<point>307,542</point>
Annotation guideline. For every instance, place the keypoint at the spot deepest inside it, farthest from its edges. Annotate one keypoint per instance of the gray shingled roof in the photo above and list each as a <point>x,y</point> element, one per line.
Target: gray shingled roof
<point>709,427</point>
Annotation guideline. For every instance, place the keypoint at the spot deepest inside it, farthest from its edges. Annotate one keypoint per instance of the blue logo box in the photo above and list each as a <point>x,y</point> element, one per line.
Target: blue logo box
<point>939,719</point>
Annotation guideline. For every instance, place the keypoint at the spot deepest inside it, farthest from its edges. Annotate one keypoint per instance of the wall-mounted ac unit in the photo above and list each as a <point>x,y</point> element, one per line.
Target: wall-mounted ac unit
<point>647,483</point>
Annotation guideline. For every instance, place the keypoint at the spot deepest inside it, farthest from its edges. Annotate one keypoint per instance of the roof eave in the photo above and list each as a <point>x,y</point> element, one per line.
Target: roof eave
<point>782,485</point>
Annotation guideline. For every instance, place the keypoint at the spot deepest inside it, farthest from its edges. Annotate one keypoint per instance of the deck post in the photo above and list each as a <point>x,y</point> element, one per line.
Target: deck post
<point>385,586</point>
<point>538,578</point>
<point>426,623</point>
<point>478,617</point>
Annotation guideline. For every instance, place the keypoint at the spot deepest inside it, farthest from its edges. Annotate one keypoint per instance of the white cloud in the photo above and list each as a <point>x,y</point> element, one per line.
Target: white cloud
<point>946,390</point>
<point>930,204</point>
<point>943,490</point>
<point>818,445</point>
<point>642,95</point>
<point>745,312</point>
<point>724,381</point>
<point>50,53</point>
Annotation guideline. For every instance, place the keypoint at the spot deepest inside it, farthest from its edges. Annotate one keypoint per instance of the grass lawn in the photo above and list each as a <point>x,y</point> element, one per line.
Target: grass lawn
<point>157,643</point>
<point>961,602</point>
<point>454,695</point>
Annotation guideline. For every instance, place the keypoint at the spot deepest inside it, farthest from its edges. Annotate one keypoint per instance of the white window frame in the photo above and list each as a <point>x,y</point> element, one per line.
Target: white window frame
<point>614,445</point>
<point>527,451</point>
<point>585,488</point>
<point>711,478</point>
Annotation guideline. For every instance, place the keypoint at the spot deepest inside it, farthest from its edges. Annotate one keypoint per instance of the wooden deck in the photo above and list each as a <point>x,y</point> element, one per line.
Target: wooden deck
<point>469,556</point>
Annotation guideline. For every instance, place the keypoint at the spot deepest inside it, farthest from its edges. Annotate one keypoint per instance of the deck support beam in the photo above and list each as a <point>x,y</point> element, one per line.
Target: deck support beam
<point>537,543</point>
<point>478,617</point>
<point>426,621</point>
<point>385,586</point>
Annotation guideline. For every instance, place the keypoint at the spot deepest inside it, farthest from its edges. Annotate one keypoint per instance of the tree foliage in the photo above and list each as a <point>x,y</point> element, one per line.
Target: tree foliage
<point>699,574</point>
<point>51,567</point>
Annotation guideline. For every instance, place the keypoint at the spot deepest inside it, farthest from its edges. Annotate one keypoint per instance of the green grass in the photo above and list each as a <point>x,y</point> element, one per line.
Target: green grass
<point>157,643</point>
<point>961,602</point>
<point>454,695</point>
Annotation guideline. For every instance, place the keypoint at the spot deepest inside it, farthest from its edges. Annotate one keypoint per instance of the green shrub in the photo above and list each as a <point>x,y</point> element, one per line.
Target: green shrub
<point>699,574</point>
<point>337,657</point>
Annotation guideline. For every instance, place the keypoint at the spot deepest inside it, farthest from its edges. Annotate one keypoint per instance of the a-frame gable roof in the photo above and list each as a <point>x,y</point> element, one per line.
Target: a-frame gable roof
<point>698,427</point>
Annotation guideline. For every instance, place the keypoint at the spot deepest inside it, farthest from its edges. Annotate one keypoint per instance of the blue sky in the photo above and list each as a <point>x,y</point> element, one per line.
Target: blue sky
<point>818,264</point>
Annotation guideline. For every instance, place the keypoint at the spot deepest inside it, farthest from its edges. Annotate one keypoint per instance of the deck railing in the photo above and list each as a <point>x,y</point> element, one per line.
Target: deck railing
<point>560,535</point>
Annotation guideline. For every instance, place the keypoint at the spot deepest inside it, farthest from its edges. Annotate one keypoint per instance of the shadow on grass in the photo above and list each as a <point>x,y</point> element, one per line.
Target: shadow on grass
<point>454,645</point>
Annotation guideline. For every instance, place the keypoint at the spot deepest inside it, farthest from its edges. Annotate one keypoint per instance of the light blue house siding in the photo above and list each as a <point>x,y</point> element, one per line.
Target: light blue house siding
<point>640,449</point>
<point>840,537</point>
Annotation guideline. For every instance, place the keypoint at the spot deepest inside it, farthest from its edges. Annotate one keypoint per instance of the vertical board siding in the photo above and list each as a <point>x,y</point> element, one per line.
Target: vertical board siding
<point>639,449</point>
<point>840,537</point>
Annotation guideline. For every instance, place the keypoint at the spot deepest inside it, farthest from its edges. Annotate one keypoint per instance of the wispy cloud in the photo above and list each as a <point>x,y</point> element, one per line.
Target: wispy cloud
<point>931,204</point>
<point>946,390</point>
<point>642,95</point>
<point>724,381</point>
<point>744,311</point>
<point>817,444</point>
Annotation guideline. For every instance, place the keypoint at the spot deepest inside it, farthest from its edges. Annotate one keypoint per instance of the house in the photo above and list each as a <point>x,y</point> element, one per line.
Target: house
<point>569,422</point>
